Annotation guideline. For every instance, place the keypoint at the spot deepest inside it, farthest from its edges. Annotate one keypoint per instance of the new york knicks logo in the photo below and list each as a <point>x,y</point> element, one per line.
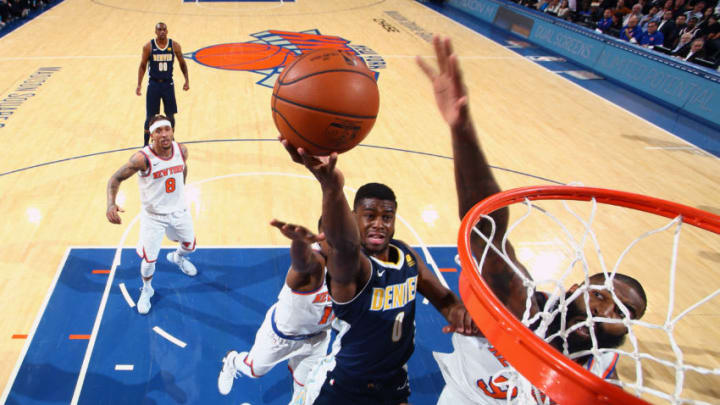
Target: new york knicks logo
<point>272,50</point>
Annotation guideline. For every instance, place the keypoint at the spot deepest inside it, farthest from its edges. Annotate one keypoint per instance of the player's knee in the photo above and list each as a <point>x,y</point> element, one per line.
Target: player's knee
<point>185,248</point>
<point>147,269</point>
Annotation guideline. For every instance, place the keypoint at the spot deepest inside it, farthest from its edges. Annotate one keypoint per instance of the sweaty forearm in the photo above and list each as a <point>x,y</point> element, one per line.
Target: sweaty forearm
<point>338,222</point>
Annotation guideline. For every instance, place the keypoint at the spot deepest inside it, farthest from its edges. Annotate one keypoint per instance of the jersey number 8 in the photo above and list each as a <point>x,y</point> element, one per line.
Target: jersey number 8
<point>170,185</point>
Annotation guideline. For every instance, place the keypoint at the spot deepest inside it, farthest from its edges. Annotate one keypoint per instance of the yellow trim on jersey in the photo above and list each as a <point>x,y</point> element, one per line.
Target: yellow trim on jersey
<point>398,264</point>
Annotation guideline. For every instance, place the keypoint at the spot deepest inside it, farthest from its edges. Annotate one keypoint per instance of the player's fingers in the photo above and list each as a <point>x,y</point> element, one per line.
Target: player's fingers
<point>332,161</point>
<point>290,149</point>
<point>120,209</point>
<point>439,52</point>
<point>448,329</point>
<point>447,45</point>
<point>276,223</point>
<point>425,67</point>
<point>454,68</point>
<point>468,323</point>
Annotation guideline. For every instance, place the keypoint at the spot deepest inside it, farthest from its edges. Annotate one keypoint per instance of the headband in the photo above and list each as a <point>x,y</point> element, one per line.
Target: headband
<point>158,124</point>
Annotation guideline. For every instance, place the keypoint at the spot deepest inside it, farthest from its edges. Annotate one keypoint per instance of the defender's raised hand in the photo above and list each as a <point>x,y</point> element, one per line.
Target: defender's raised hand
<point>297,232</point>
<point>447,82</point>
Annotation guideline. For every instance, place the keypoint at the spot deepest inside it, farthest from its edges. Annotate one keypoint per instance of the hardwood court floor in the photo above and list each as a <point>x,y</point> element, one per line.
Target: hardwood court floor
<point>72,119</point>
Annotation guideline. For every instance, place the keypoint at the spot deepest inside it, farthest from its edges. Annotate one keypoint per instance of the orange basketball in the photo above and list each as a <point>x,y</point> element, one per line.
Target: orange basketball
<point>325,101</point>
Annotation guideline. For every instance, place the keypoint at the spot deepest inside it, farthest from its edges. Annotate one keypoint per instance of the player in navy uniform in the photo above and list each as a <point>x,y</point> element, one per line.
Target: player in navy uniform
<point>160,54</point>
<point>373,281</point>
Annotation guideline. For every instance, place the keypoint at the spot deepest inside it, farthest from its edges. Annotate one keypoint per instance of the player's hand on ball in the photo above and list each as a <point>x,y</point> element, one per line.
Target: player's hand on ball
<point>322,167</point>
<point>113,214</point>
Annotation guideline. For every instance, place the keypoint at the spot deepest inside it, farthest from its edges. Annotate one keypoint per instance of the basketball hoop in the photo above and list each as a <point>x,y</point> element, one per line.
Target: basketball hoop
<point>554,374</point>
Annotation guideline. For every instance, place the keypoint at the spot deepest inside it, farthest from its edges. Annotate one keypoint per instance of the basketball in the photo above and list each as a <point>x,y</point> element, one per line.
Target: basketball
<point>325,101</point>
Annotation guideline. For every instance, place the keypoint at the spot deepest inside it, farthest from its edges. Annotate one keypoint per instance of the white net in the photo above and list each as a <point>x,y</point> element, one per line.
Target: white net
<point>667,356</point>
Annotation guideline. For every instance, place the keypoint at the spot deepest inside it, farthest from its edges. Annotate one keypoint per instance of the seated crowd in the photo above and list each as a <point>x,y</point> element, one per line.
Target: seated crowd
<point>687,30</point>
<point>16,10</point>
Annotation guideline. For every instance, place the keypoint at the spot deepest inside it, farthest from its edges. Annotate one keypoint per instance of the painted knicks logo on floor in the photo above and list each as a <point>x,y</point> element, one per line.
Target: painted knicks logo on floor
<point>272,50</point>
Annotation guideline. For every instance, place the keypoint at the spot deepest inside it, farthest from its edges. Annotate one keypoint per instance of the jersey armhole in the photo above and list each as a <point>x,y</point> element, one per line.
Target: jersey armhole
<point>149,163</point>
<point>361,290</point>
<point>181,152</point>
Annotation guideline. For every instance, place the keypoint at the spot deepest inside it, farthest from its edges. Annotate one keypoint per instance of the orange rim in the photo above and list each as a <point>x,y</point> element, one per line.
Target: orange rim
<point>565,381</point>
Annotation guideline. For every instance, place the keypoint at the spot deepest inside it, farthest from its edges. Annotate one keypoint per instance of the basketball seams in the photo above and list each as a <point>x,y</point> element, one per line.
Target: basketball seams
<point>339,114</point>
<point>323,104</point>
<point>323,72</point>
<point>277,113</point>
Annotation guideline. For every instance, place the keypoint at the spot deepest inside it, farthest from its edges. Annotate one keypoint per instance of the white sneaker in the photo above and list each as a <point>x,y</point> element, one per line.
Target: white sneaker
<point>229,373</point>
<point>143,304</point>
<point>184,264</point>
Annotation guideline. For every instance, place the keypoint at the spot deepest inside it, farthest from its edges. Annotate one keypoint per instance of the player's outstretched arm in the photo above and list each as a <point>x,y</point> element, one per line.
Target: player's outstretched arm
<point>474,180</point>
<point>347,265</point>
<point>304,258</point>
<point>136,163</point>
<point>307,264</point>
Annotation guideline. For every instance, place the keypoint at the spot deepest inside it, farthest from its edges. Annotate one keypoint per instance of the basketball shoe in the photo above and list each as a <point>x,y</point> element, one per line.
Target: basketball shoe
<point>184,264</point>
<point>229,372</point>
<point>143,304</point>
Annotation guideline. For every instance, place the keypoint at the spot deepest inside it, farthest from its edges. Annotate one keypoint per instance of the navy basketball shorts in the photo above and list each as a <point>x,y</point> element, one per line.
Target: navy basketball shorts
<point>157,91</point>
<point>339,389</point>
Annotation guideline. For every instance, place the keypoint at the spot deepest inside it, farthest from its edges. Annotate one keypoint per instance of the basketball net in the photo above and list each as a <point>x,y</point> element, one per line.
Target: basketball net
<point>558,380</point>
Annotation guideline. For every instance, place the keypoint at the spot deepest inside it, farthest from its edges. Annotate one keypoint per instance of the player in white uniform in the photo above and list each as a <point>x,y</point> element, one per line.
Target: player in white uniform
<point>297,327</point>
<point>162,171</point>
<point>474,182</point>
<point>471,372</point>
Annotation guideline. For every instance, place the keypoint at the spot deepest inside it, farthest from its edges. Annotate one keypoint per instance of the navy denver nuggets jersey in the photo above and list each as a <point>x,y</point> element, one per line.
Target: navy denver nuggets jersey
<point>378,329</point>
<point>161,61</point>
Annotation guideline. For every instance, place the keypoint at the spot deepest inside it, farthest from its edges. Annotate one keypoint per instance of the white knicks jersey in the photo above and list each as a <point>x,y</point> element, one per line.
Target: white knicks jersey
<point>162,187</point>
<point>471,372</point>
<point>300,313</point>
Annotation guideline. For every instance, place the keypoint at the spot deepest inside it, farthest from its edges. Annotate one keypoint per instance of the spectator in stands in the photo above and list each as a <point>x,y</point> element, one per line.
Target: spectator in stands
<point>680,24</point>
<point>564,10</point>
<point>706,17</point>
<point>652,37</point>
<point>616,26</point>
<point>552,7</point>
<point>711,33</point>
<point>683,45</point>
<point>697,11</point>
<point>631,32</point>
<point>652,15</point>
<point>691,27</point>
<point>694,52</point>
<point>667,27</point>
<point>621,8</point>
<point>679,8</point>
<point>605,22</point>
<point>548,6</point>
<point>636,12</point>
